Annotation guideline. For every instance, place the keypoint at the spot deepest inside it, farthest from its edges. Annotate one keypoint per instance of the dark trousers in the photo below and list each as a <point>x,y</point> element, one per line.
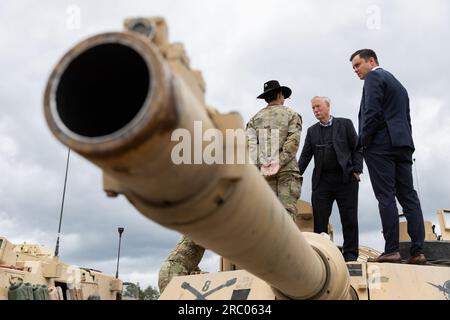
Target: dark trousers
<point>329,189</point>
<point>390,170</point>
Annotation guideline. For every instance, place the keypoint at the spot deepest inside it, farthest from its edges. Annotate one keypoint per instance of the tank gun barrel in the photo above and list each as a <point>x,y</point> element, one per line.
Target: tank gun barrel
<point>117,98</point>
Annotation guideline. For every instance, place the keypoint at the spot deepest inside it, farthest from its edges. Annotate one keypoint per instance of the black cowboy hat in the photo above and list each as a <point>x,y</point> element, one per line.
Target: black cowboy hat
<point>272,85</point>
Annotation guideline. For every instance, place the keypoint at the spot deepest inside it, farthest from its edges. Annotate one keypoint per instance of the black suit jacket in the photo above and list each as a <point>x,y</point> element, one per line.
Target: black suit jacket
<point>344,142</point>
<point>384,114</point>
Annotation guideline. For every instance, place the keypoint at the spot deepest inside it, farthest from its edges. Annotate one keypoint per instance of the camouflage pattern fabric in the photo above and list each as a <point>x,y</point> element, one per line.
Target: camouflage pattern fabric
<point>261,140</point>
<point>182,260</point>
<point>287,182</point>
<point>287,186</point>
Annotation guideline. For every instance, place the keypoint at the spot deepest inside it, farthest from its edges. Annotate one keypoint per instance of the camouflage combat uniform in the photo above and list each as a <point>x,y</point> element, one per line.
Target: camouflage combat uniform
<point>287,182</point>
<point>182,260</point>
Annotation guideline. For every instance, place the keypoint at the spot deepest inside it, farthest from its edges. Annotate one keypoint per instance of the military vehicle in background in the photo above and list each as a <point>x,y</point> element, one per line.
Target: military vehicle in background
<point>118,99</point>
<point>32,272</point>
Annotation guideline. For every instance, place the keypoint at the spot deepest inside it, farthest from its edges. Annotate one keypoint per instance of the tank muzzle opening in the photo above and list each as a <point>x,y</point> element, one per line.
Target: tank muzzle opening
<point>102,90</point>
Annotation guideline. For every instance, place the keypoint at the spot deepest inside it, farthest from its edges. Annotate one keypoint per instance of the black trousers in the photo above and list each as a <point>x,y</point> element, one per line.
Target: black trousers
<point>390,170</point>
<point>329,189</point>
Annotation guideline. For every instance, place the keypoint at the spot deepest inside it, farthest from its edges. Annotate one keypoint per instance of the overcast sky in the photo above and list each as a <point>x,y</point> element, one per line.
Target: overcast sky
<point>238,45</point>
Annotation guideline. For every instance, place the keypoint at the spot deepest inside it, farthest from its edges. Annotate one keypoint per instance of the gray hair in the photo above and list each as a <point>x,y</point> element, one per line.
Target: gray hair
<point>324,99</point>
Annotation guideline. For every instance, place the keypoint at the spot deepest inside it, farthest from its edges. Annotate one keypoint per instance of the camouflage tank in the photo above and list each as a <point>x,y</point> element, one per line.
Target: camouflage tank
<point>32,272</point>
<point>123,100</point>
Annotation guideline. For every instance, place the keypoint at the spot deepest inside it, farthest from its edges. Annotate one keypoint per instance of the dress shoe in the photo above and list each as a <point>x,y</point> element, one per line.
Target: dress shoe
<point>393,257</point>
<point>349,258</point>
<point>419,259</point>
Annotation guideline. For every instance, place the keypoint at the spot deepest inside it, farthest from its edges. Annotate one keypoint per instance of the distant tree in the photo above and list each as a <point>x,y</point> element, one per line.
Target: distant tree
<point>150,293</point>
<point>130,290</point>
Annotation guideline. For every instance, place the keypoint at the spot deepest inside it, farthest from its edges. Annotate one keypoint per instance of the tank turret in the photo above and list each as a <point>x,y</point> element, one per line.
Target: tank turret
<point>130,103</point>
<point>32,272</point>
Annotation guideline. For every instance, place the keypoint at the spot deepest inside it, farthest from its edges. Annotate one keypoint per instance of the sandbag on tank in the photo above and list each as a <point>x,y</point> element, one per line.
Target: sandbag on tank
<point>40,292</point>
<point>21,291</point>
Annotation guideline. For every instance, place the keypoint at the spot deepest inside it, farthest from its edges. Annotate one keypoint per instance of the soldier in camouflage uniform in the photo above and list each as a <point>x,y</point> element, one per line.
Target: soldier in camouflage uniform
<point>273,137</point>
<point>183,260</point>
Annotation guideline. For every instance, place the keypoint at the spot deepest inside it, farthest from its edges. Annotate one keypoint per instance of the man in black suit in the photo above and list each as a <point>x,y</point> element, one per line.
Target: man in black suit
<point>385,134</point>
<point>337,166</point>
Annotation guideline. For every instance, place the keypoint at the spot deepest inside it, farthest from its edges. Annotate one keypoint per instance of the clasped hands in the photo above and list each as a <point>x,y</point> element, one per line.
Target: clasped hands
<point>270,169</point>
